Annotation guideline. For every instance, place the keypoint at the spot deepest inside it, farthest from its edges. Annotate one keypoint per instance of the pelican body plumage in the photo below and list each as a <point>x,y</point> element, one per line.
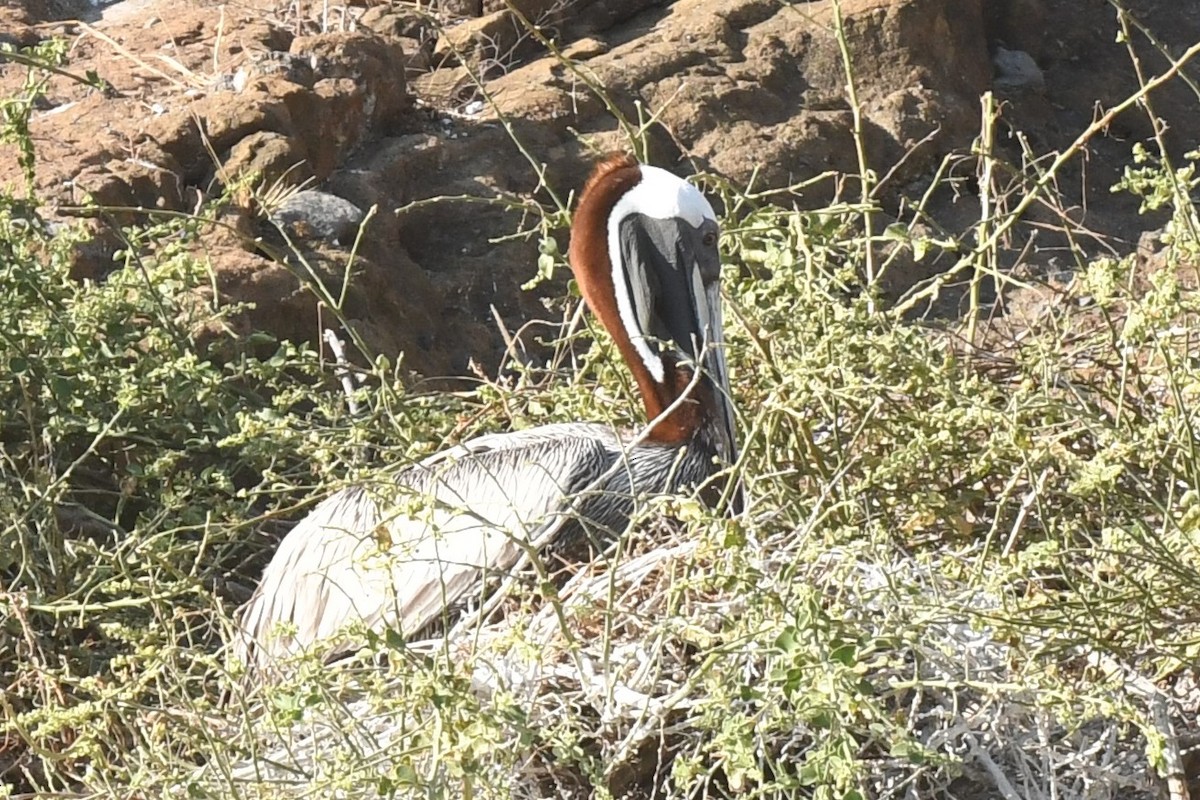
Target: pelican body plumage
<point>644,253</point>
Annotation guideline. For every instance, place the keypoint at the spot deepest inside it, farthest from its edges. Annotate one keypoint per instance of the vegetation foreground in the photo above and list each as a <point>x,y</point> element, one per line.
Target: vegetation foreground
<point>968,565</point>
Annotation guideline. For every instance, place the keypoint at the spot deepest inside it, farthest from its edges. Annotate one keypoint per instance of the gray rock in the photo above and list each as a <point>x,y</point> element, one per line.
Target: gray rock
<point>1016,69</point>
<point>319,215</point>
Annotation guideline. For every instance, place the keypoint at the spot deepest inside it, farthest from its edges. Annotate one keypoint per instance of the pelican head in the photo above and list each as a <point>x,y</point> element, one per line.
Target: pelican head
<point>644,252</point>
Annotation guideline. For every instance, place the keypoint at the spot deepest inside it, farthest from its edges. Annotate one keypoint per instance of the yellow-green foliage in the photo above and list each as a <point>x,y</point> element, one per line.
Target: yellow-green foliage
<point>1025,506</point>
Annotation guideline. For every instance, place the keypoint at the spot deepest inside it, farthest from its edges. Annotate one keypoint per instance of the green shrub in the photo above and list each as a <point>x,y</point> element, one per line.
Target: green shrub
<point>964,557</point>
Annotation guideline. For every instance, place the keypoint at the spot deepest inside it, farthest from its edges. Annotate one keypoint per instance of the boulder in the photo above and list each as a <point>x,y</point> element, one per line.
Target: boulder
<point>320,215</point>
<point>749,89</point>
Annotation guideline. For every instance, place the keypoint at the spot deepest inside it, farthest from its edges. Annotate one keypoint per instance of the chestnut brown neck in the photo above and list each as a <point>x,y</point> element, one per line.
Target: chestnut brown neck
<point>592,264</point>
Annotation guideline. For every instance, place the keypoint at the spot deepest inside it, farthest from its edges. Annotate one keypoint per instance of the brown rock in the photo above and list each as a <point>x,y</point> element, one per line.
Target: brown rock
<point>92,257</point>
<point>374,65</point>
<point>266,159</point>
<point>754,89</point>
<point>296,69</point>
<point>176,134</point>
<point>324,123</point>
<point>599,16</point>
<point>583,49</point>
<point>461,8</point>
<point>101,186</point>
<point>536,11</point>
<point>228,116</point>
<point>539,93</point>
<point>150,185</point>
<point>345,114</point>
<point>409,29</point>
<point>15,29</point>
<point>488,39</point>
<point>748,88</point>
<point>500,37</point>
<point>447,87</point>
<point>276,299</point>
<point>418,56</point>
<point>396,21</point>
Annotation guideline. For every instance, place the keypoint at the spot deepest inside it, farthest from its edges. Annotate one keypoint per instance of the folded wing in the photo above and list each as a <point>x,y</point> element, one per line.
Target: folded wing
<point>398,556</point>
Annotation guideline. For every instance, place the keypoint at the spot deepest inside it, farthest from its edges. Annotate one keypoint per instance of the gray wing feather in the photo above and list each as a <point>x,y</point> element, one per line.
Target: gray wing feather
<point>398,561</point>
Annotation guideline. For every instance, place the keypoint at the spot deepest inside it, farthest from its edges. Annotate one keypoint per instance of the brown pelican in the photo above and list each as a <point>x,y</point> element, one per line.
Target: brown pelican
<point>644,253</point>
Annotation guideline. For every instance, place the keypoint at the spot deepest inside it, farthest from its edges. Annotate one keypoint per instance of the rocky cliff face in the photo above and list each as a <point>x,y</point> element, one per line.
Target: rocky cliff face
<point>384,105</point>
